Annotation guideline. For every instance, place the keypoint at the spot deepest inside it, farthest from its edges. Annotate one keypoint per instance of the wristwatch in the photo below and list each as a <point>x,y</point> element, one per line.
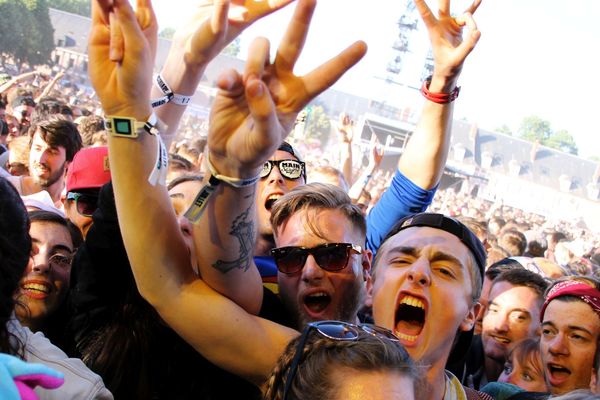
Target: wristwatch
<point>130,127</point>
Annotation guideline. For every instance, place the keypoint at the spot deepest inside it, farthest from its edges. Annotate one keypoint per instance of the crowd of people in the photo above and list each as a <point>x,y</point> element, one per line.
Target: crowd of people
<point>151,254</point>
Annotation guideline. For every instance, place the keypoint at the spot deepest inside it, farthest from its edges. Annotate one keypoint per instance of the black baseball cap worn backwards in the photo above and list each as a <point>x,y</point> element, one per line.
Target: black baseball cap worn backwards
<point>447,224</point>
<point>285,146</point>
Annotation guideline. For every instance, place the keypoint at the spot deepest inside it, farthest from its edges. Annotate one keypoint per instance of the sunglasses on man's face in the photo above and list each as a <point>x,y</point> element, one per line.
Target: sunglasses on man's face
<point>334,330</point>
<point>330,256</point>
<point>290,169</point>
<point>86,203</point>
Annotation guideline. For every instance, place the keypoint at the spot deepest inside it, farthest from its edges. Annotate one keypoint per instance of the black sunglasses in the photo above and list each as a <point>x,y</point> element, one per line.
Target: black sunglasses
<point>329,256</point>
<point>334,330</point>
<point>86,203</point>
<point>290,169</point>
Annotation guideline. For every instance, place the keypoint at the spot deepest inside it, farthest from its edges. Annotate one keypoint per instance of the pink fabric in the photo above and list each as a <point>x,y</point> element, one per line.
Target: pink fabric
<point>585,292</point>
<point>26,383</point>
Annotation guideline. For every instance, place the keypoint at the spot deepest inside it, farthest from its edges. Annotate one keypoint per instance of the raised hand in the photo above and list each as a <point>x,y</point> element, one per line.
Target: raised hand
<point>445,32</point>
<point>121,49</point>
<point>345,128</point>
<point>214,24</point>
<point>376,152</point>
<point>253,113</point>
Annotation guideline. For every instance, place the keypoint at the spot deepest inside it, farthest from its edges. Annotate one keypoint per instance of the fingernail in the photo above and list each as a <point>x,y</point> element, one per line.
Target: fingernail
<point>255,88</point>
<point>251,77</point>
<point>226,82</point>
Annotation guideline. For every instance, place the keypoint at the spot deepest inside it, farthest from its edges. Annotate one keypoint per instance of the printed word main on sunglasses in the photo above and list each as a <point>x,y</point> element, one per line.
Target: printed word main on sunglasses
<point>290,169</point>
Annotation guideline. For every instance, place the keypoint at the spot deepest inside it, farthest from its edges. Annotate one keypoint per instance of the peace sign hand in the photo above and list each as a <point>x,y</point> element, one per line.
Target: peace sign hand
<point>253,113</point>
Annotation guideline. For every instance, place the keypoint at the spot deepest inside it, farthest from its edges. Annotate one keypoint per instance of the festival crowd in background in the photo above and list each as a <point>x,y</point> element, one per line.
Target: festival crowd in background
<point>150,253</point>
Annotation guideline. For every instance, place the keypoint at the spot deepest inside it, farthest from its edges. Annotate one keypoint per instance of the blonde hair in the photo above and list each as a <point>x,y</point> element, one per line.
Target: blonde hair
<point>317,197</point>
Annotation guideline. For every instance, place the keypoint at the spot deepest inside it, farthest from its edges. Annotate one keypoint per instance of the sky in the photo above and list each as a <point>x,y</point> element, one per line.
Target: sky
<point>535,57</point>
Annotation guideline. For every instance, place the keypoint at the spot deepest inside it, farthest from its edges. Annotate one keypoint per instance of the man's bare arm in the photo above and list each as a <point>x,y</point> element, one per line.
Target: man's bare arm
<point>425,155</point>
<point>214,325</point>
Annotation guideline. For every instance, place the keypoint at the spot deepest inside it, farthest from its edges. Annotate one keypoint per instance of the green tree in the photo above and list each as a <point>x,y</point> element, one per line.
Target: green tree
<point>26,33</point>
<point>535,128</point>
<point>505,130</point>
<point>167,33</point>
<point>12,32</point>
<point>233,48</point>
<point>564,141</point>
<point>318,124</point>
<point>79,7</point>
<point>41,33</point>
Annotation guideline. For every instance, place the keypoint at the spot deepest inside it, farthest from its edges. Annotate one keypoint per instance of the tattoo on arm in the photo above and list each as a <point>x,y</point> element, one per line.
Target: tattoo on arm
<point>244,230</point>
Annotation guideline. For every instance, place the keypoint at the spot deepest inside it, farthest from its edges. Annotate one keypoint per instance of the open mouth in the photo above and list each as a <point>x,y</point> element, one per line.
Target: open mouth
<point>317,302</point>
<point>271,200</point>
<point>557,373</point>
<point>410,318</point>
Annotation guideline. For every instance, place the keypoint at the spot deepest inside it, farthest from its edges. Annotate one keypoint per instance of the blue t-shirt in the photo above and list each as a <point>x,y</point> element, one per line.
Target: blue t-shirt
<point>402,198</point>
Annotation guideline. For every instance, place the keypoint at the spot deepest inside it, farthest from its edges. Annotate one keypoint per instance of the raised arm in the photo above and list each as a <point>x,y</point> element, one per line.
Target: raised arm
<point>241,139</point>
<point>145,212</point>
<point>251,115</point>
<point>345,130</point>
<point>425,155</point>
<point>213,24</point>
<point>17,79</point>
<point>48,88</point>
<point>376,152</point>
<point>422,163</point>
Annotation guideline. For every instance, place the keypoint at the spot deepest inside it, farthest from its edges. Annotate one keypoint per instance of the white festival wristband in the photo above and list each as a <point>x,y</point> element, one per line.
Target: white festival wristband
<point>194,212</point>
<point>235,182</point>
<point>169,95</point>
<point>161,165</point>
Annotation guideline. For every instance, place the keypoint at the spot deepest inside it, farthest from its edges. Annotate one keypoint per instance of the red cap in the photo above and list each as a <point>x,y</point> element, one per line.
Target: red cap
<point>89,169</point>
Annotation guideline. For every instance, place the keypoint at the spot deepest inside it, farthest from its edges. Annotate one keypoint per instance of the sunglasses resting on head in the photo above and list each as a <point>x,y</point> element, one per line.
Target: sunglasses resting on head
<point>381,341</point>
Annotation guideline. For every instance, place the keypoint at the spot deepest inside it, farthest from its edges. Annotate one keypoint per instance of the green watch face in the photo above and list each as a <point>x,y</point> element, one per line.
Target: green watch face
<point>123,126</point>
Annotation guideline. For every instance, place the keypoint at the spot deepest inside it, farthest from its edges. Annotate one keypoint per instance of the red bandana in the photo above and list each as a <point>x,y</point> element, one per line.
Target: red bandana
<point>585,292</point>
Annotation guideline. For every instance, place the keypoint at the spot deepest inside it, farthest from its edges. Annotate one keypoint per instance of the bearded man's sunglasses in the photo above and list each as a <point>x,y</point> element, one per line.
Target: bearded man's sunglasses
<point>330,256</point>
